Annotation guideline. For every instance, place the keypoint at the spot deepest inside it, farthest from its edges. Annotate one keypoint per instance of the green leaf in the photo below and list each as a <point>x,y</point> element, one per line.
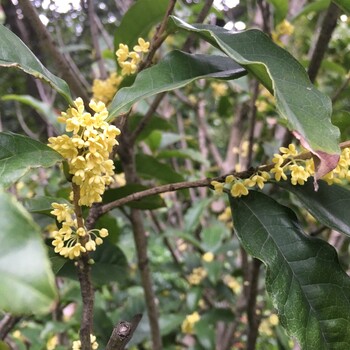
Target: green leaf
<point>138,21</point>
<point>175,70</point>
<point>110,265</point>
<point>14,53</point>
<point>315,6</point>
<point>306,109</point>
<point>42,204</point>
<point>183,154</point>
<point>194,214</point>
<point>147,203</point>
<point>329,205</point>
<point>344,5</point>
<point>308,287</point>
<point>27,283</point>
<point>155,123</point>
<point>20,153</point>
<point>149,167</point>
<point>281,9</point>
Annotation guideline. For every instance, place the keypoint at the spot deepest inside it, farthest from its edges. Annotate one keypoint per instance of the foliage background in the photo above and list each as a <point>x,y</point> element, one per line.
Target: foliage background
<point>202,130</point>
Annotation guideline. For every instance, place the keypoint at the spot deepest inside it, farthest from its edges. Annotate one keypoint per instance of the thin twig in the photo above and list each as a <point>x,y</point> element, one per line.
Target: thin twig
<point>94,36</point>
<point>47,42</point>
<point>328,25</point>
<point>158,38</point>
<point>6,324</point>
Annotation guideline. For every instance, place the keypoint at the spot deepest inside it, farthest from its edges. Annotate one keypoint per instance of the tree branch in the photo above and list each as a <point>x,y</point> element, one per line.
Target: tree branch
<point>94,36</point>
<point>328,25</point>
<point>50,46</point>
<point>122,333</point>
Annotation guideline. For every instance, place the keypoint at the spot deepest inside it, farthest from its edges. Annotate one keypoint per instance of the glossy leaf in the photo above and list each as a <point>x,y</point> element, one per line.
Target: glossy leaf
<point>329,205</point>
<point>42,204</point>
<point>20,153</point>
<point>14,53</point>
<point>110,265</point>
<point>138,21</point>
<point>306,109</point>
<point>149,167</point>
<point>27,283</point>
<point>176,70</point>
<point>304,278</point>
<point>147,203</point>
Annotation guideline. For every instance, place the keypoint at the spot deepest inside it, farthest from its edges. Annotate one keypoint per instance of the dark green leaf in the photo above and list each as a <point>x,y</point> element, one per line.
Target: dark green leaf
<point>42,204</point>
<point>149,167</point>
<point>27,283</point>
<point>183,154</point>
<point>329,205</point>
<point>14,53</point>
<point>307,110</point>
<point>19,153</point>
<point>147,203</point>
<point>308,287</point>
<point>176,70</point>
<point>110,265</point>
<point>138,21</point>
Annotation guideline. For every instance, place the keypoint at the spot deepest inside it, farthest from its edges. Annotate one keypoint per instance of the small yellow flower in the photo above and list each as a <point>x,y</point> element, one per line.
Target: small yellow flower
<point>298,174</point>
<point>239,189</point>
<point>143,46</point>
<point>189,322</point>
<point>122,53</point>
<point>197,275</point>
<point>219,89</point>
<point>208,257</point>
<point>279,173</point>
<point>291,151</point>
<point>218,187</point>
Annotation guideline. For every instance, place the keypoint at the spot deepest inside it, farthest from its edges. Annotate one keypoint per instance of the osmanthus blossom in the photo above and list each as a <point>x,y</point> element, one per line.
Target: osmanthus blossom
<point>287,162</point>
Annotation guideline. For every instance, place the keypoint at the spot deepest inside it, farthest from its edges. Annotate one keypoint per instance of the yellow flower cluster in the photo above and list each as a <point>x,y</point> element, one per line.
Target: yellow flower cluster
<point>70,240</point>
<point>104,90</point>
<point>219,89</point>
<point>283,28</point>
<point>233,284</point>
<point>284,163</point>
<point>208,257</point>
<point>189,322</point>
<point>128,60</point>
<point>267,325</point>
<point>94,344</point>
<point>239,187</point>
<point>197,275</point>
<point>88,149</point>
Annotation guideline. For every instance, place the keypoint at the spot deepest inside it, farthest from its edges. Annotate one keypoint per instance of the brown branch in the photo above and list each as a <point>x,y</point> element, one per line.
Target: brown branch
<point>49,45</point>
<point>126,153</point>
<point>158,38</point>
<point>328,25</point>
<point>6,324</point>
<point>122,333</point>
<point>84,276</point>
<point>94,36</point>
<point>201,17</point>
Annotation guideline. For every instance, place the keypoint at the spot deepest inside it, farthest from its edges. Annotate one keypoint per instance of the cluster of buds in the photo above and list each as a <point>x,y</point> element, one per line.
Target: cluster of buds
<point>71,241</point>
